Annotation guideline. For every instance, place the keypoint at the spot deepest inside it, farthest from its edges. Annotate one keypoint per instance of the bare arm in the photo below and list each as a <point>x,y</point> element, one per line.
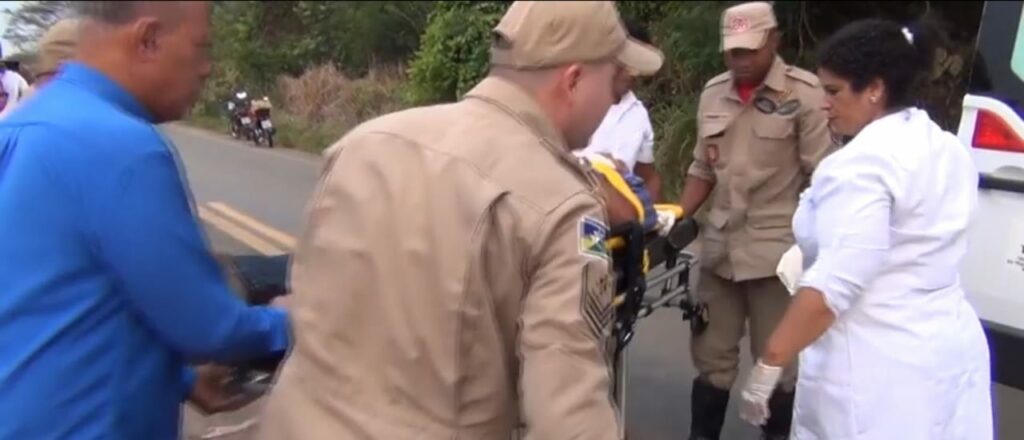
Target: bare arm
<point>695,192</point>
<point>806,319</point>
<point>852,225</point>
<point>652,179</point>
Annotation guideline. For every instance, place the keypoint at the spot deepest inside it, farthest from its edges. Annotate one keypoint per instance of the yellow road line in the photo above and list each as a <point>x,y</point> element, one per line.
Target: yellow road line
<point>245,237</point>
<point>281,239</point>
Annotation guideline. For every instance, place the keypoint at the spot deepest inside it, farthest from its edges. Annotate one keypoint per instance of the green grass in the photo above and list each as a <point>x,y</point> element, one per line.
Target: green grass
<point>207,122</point>
<point>291,131</point>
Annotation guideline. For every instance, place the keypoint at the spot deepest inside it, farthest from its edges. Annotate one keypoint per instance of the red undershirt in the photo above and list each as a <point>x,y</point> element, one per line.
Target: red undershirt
<point>746,91</point>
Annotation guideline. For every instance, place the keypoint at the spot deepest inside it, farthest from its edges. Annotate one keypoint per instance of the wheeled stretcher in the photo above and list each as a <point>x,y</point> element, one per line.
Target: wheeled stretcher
<point>651,271</point>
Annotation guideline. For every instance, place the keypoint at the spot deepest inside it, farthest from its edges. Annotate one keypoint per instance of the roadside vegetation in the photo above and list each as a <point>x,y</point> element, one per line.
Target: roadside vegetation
<point>328,66</point>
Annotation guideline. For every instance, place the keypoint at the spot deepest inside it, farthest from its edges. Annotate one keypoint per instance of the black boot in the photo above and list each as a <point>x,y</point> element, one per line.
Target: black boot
<point>707,410</point>
<point>780,416</point>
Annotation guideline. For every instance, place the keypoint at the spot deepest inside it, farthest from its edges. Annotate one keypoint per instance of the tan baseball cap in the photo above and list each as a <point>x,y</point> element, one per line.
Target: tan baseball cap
<point>57,45</point>
<point>540,34</point>
<point>746,26</point>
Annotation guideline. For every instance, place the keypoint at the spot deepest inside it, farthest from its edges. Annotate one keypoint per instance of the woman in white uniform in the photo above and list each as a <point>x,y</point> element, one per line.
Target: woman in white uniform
<point>888,346</point>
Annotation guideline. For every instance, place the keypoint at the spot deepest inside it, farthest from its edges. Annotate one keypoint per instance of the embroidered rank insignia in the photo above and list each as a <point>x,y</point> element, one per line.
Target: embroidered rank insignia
<point>596,301</point>
<point>781,97</point>
<point>789,107</point>
<point>593,234</point>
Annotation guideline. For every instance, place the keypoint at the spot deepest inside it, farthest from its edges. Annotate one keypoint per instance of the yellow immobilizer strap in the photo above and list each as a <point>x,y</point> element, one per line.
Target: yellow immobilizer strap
<point>612,175</point>
<point>676,210</point>
<point>607,169</point>
<point>620,185</point>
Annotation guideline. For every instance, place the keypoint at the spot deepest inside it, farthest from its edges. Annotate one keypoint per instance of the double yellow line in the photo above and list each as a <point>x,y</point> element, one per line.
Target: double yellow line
<point>245,229</point>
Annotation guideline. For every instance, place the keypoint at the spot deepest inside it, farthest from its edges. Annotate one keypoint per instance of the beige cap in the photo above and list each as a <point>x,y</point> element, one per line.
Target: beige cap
<point>746,26</point>
<point>57,45</point>
<point>540,34</point>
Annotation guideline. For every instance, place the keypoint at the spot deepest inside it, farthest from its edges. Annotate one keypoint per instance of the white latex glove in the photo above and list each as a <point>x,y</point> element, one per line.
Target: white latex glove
<point>790,268</point>
<point>666,219</point>
<point>754,397</point>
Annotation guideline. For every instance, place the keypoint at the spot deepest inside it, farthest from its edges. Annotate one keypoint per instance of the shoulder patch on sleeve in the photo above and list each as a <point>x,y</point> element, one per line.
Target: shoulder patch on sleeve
<point>593,234</point>
<point>803,76</point>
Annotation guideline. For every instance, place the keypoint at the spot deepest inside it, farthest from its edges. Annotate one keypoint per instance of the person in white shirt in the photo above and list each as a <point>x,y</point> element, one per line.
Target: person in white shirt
<point>626,133</point>
<point>888,345</point>
<point>14,85</point>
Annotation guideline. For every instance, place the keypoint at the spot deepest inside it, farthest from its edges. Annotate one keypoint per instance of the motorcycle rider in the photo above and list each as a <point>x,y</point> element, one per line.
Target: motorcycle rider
<point>238,106</point>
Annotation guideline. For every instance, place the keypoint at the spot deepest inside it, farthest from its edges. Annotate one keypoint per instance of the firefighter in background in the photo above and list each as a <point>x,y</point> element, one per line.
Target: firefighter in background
<point>761,132</point>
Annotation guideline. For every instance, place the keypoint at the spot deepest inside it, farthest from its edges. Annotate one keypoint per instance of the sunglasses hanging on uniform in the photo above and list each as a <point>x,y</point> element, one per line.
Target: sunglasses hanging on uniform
<point>767,105</point>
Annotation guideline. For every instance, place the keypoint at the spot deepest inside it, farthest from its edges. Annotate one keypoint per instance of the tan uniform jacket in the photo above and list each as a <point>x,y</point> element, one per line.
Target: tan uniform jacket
<point>452,284</point>
<point>760,156</point>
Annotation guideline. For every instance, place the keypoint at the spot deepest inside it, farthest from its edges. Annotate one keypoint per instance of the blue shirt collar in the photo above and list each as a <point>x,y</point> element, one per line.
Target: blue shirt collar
<point>100,84</point>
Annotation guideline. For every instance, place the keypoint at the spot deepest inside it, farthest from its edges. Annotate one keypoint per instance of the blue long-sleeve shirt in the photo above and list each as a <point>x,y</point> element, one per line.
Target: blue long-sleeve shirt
<point>107,285</point>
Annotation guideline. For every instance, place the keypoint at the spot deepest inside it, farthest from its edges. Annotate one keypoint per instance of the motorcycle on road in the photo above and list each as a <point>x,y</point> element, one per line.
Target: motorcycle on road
<point>262,128</point>
<point>250,119</point>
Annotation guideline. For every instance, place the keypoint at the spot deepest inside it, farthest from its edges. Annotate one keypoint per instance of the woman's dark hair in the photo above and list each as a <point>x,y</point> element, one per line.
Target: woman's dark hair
<point>874,48</point>
<point>637,31</point>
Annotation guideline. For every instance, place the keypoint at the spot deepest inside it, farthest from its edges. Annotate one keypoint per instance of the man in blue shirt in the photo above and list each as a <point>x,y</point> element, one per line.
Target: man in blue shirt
<point>107,287</point>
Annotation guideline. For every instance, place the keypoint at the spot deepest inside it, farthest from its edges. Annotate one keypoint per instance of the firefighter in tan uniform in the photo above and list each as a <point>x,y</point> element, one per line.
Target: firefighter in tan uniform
<point>761,132</point>
<point>452,282</point>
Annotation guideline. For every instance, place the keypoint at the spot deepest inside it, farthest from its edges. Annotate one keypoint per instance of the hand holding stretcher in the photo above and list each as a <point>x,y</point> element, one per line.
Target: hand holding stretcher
<point>651,268</point>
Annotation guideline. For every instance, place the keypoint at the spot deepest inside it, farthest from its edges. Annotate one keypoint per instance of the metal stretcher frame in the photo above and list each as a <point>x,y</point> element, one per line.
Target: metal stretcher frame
<point>633,253</point>
<point>644,263</point>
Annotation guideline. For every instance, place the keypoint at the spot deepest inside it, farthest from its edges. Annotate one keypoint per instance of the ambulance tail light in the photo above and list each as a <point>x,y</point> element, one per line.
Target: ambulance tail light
<point>991,132</point>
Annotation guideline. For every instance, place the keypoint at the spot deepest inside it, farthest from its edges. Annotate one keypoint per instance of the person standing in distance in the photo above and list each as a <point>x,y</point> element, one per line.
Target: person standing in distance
<point>761,131</point>
<point>14,85</point>
<point>626,133</point>
<point>109,288</point>
<point>453,280</point>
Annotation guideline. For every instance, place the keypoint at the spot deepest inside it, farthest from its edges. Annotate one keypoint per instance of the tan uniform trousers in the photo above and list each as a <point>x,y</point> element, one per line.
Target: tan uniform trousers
<point>731,305</point>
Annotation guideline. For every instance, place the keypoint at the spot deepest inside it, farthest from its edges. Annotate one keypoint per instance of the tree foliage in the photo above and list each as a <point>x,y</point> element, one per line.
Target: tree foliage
<point>691,59</point>
<point>446,47</point>
<point>27,22</point>
<point>267,39</point>
<point>256,42</point>
<point>454,52</point>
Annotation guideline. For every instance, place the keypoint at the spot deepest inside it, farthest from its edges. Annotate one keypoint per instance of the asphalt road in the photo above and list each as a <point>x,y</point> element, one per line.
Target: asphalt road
<point>252,200</point>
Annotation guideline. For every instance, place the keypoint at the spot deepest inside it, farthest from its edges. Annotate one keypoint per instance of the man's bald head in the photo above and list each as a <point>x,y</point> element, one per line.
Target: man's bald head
<point>158,50</point>
<point>567,54</point>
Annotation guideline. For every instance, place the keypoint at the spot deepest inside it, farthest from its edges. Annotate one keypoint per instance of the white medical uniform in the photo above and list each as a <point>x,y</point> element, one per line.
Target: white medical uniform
<point>882,231</point>
<point>625,133</point>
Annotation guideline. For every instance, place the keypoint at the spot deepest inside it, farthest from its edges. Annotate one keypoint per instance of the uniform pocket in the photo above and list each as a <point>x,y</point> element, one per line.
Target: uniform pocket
<point>771,222</point>
<point>774,141</point>
<point>713,248</point>
<point>774,128</point>
<point>824,393</point>
<point>718,218</point>
<point>713,128</point>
